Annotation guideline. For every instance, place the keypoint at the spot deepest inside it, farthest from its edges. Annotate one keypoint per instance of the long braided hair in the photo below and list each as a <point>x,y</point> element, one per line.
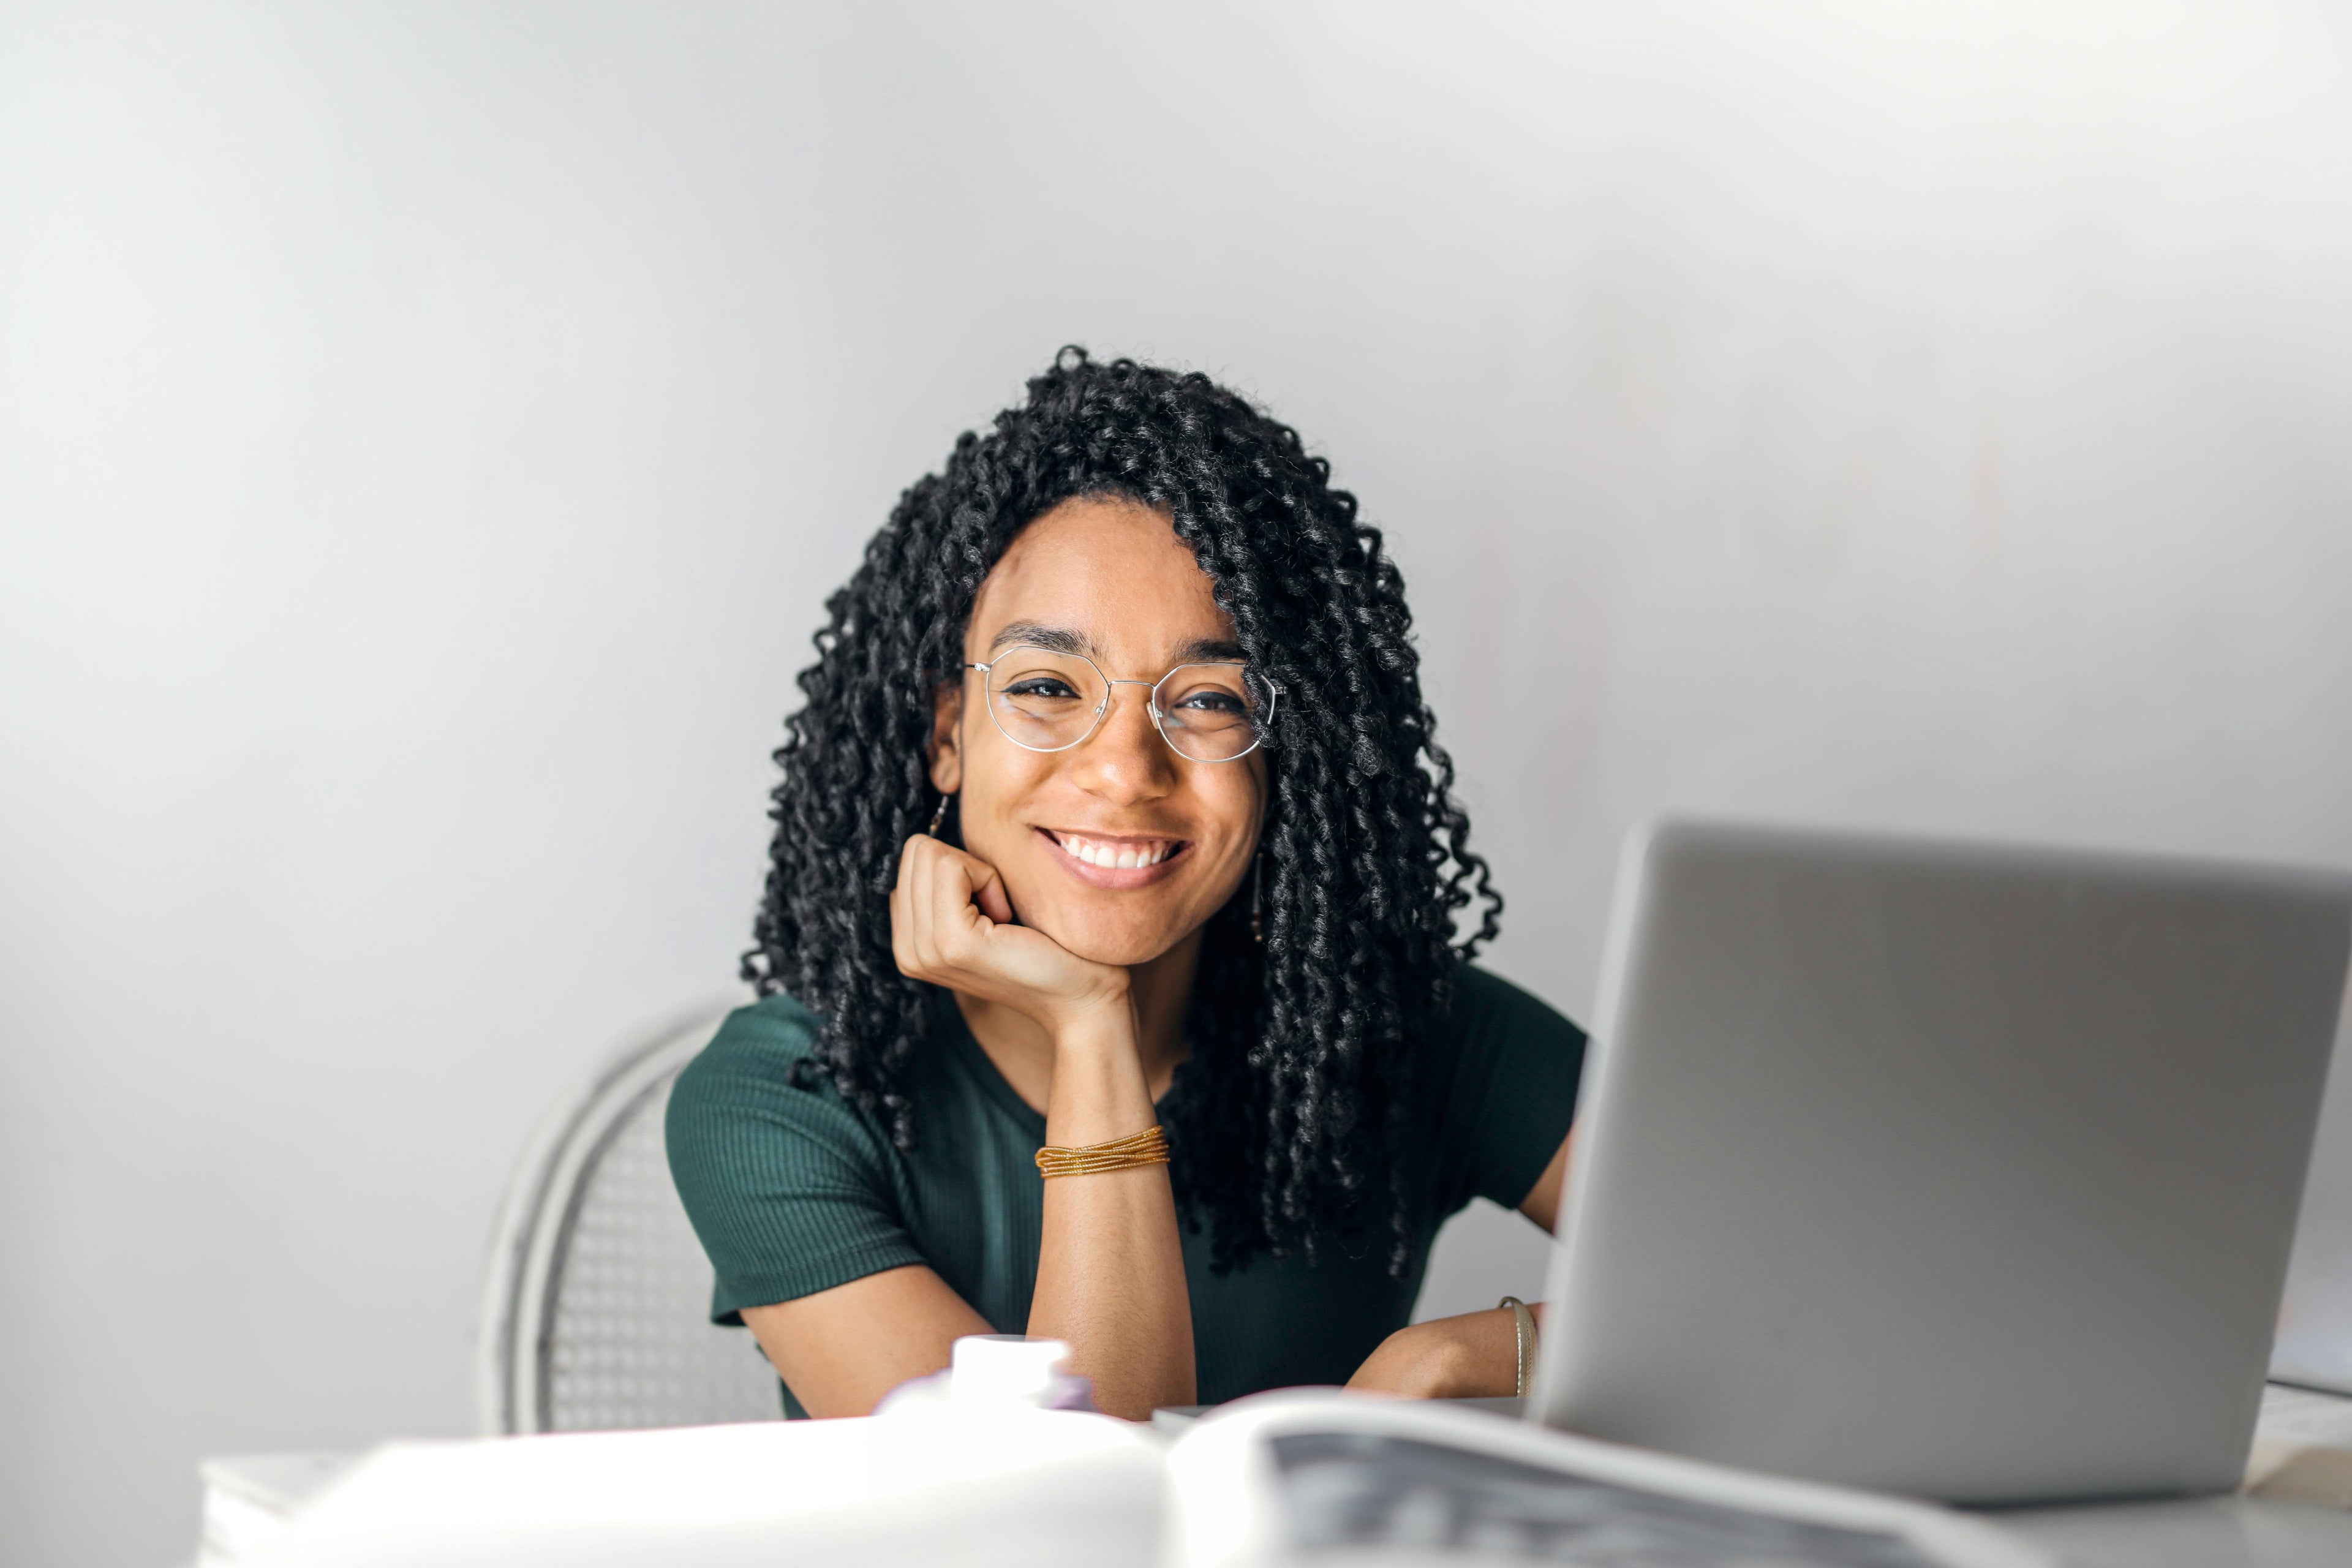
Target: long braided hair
<point>1287,1123</point>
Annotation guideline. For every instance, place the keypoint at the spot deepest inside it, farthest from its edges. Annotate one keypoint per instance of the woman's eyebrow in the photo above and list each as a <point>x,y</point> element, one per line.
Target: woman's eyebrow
<point>1053,640</point>
<point>1063,640</point>
<point>1212,650</point>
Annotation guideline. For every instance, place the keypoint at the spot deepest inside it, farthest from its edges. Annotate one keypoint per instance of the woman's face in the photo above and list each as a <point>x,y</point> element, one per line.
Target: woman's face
<point>1112,578</point>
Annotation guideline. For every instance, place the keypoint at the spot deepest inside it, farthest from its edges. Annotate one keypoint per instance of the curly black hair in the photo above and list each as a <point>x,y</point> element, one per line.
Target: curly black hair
<point>1292,1103</point>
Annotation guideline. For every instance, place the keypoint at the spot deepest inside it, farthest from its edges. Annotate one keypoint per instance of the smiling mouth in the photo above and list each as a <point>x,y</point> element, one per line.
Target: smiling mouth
<point>1117,860</point>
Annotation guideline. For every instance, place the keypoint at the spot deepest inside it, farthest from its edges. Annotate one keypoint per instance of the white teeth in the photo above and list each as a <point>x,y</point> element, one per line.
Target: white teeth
<point>1118,856</point>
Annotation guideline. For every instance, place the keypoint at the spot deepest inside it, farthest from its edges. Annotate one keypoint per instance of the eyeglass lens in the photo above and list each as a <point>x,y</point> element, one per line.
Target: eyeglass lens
<point>1050,701</point>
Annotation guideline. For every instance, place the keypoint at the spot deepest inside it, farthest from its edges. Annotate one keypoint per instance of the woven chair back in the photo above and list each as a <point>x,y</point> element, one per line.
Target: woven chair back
<point>596,1314</point>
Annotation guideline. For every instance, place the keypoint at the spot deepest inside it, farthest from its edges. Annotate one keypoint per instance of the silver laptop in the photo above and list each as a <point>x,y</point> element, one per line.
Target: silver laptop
<point>1962,1171</point>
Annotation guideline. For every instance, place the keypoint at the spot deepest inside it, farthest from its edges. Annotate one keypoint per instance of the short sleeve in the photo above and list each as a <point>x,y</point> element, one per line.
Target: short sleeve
<point>790,1189</point>
<point>1515,1063</point>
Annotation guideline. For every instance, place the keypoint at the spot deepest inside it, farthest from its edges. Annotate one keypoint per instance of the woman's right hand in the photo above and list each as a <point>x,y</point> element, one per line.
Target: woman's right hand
<point>951,924</point>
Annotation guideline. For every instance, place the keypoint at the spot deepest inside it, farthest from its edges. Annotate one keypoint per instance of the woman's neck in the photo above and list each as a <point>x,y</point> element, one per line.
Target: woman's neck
<point>1160,993</point>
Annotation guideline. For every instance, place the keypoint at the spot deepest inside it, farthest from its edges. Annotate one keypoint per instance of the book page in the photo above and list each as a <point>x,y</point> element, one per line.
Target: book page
<point>1380,1497</point>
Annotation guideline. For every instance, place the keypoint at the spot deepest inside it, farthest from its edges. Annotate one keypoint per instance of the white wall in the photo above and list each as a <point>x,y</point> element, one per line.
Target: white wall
<point>428,435</point>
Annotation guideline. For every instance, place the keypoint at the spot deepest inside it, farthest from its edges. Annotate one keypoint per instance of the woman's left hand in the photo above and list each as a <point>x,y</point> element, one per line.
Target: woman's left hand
<point>1476,1354</point>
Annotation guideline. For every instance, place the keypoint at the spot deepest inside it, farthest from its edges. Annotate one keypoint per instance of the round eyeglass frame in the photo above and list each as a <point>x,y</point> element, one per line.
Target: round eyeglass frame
<point>1258,726</point>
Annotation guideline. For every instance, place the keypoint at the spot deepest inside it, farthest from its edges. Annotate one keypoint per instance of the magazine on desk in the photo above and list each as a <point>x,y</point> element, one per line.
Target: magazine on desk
<point>1301,1479</point>
<point>1328,1479</point>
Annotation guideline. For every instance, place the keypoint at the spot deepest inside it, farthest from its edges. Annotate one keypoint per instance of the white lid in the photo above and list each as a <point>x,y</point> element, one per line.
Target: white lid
<point>1006,1366</point>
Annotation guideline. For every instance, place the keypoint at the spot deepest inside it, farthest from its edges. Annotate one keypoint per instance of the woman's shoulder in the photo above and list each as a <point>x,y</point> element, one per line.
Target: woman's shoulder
<point>1498,1032</point>
<point>1505,1089</point>
<point>1486,1004</point>
<point>774,1024</point>
<point>764,1048</point>
<point>757,1086</point>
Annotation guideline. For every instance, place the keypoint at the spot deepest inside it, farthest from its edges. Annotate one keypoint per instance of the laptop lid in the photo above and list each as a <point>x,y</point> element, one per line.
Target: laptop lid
<point>1950,1169</point>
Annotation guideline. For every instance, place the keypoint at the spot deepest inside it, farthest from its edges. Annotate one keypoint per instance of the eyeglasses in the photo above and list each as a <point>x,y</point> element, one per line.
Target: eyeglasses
<point>1049,701</point>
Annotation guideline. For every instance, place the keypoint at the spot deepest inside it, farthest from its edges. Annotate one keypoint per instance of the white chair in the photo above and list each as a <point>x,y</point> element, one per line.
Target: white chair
<point>596,1312</point>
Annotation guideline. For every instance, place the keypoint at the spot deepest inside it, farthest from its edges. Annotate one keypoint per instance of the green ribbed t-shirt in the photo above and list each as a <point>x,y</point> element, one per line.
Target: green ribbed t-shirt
<point>793,1190</point>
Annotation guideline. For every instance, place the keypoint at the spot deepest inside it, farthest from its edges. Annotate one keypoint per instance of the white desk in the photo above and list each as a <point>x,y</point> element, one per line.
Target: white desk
<point>2235,1531</point>
<point>2216,1532</point>
<point>244,1496</point>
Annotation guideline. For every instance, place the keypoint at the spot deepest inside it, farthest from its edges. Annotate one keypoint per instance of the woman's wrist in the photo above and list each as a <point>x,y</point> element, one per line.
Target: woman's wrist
<point>1445,1358</point>
<point>1098,1090</point>
<point>1100,1024</point>
<point>1421,1362</point>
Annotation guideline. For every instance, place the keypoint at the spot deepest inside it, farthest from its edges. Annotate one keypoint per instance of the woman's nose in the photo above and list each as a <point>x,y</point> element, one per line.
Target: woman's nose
<point>1126,760</point>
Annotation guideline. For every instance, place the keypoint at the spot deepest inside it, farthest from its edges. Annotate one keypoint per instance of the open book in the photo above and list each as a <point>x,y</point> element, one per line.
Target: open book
<point>1305,1478</point>
<point>1322,1479</point>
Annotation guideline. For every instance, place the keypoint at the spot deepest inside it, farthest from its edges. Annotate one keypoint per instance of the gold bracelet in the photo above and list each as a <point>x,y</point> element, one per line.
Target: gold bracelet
<point>1523,1328</point>
<point>1149,1147</point>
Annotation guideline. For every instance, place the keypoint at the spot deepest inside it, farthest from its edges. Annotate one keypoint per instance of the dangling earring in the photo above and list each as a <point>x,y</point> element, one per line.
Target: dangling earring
<point>939,816</point>
<point>1257,899</point>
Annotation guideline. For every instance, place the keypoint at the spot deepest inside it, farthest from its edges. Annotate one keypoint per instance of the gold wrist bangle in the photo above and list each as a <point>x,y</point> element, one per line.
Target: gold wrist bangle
<point>1149,1147</point>
<point>1523,1327</point>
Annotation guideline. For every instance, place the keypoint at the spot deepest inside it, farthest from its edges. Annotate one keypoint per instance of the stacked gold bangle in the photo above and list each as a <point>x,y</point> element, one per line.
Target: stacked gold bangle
<point>1149,1147</point>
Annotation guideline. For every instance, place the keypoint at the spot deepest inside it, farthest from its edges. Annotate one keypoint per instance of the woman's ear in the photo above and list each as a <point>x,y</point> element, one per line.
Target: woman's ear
<point>946,752</point>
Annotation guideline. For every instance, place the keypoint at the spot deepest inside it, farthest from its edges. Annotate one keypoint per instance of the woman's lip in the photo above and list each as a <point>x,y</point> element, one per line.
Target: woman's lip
<point>1116,876</point>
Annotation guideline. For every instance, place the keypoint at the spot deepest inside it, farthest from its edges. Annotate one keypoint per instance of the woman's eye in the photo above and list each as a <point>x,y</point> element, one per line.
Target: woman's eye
<point>1039,686</point>
<point>1222,703</point>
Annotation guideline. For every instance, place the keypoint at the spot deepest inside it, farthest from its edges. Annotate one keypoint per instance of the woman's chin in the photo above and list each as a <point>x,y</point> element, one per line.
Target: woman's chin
<point>1105,942</point>
<point>1124,955</point>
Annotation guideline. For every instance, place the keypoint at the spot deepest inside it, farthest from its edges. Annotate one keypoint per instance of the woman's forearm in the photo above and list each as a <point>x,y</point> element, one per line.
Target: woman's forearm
<point>1110,1266</point>
<point>1474,1354</point>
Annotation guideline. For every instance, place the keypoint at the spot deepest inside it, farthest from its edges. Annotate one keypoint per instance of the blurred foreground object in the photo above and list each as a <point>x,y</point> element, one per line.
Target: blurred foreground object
<point>253,1504</point>
<point>1033,1488</point>
<point>1272,1480</point>
<point>994,1370</point>
<point>1313,1476</point>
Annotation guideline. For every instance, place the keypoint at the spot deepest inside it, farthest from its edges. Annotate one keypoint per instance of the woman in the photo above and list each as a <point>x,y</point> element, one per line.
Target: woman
<point>1115,806</point>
